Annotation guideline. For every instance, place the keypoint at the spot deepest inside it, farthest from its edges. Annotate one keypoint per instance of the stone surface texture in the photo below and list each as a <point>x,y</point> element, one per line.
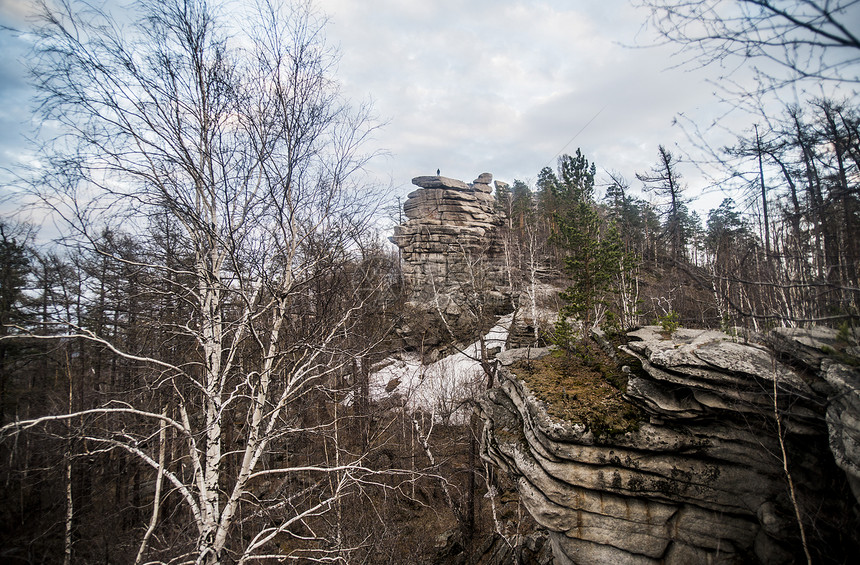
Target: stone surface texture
<point>450,250</point>
<point>817,352</point>
<point>702,479</point>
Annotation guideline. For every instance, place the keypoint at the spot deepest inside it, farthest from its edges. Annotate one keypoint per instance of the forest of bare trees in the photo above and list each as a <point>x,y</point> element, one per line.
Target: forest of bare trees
<point>219,283</point>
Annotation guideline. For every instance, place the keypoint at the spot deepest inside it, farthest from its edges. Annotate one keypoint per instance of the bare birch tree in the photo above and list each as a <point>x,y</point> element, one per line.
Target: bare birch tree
<point>230,134</point>
<point>785,40</point>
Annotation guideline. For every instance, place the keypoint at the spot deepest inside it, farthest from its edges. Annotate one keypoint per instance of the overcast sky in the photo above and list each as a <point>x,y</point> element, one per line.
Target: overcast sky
<point>500,86</point>
<point>504,86</point>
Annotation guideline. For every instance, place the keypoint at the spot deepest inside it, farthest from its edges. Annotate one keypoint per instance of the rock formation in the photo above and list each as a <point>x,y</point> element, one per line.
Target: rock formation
<point>450,253</point>
<point>700,477</point>
<point>816,351</point>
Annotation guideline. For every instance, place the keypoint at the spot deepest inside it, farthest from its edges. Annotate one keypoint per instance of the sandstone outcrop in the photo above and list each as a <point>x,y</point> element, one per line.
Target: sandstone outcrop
<point>700,478</point>
<point>450,251</point>
<point>817,352</point>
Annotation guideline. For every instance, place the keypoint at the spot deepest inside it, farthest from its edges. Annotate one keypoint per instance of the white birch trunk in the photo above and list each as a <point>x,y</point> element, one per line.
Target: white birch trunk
<point>156,500</point>
<point>70,513</point>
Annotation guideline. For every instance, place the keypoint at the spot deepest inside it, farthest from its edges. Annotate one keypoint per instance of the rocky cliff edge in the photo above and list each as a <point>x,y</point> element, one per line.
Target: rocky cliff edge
<point>696,474</point>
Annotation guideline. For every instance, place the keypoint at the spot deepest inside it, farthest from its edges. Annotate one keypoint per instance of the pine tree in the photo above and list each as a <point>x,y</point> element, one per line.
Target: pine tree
<point>14,267</point>
<point>665,180</point>
<point>593,248</point>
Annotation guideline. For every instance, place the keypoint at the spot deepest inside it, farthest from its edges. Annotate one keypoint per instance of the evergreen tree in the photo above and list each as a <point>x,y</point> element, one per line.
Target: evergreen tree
<point>593,248</point>
<point>14,268</point>
<point>725,227</point>
<point>522,205</point>
<point>577,178</point>
<point>665,180</point>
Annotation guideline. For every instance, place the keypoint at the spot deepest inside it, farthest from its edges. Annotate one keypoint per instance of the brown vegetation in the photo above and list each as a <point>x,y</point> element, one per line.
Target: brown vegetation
<point>585,388</point>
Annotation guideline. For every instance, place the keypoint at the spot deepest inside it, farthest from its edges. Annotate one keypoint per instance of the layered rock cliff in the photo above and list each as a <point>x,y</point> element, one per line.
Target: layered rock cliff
<point>450,255</point>
<point>695,472</point>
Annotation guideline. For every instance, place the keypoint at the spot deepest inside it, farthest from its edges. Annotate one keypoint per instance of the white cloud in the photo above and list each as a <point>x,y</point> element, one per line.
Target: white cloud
<point>15,12</point>
<point>500,85</point>
<point>503,86</point>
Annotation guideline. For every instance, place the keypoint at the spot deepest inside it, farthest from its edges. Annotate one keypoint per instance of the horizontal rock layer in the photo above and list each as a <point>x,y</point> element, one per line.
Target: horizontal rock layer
<point>449,248</point>
<point>702,478</point>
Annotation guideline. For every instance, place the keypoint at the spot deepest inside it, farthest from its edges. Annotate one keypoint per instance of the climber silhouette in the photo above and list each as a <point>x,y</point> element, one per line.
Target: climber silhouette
<point>437,172</point>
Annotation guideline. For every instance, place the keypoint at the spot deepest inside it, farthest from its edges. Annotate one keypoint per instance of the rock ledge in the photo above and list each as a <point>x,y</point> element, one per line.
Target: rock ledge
<point>699,480</point>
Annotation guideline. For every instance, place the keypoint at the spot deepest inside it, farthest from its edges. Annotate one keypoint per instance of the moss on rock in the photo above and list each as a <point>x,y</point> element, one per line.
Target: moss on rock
<point>585,387</point>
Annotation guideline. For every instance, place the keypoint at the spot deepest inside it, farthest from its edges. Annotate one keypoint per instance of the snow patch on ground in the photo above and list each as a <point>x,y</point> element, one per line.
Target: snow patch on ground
<point>441,388</point>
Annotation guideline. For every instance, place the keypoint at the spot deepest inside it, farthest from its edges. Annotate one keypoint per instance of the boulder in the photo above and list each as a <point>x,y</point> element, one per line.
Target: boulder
<point>439,182</point>
<point>483,178</point>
